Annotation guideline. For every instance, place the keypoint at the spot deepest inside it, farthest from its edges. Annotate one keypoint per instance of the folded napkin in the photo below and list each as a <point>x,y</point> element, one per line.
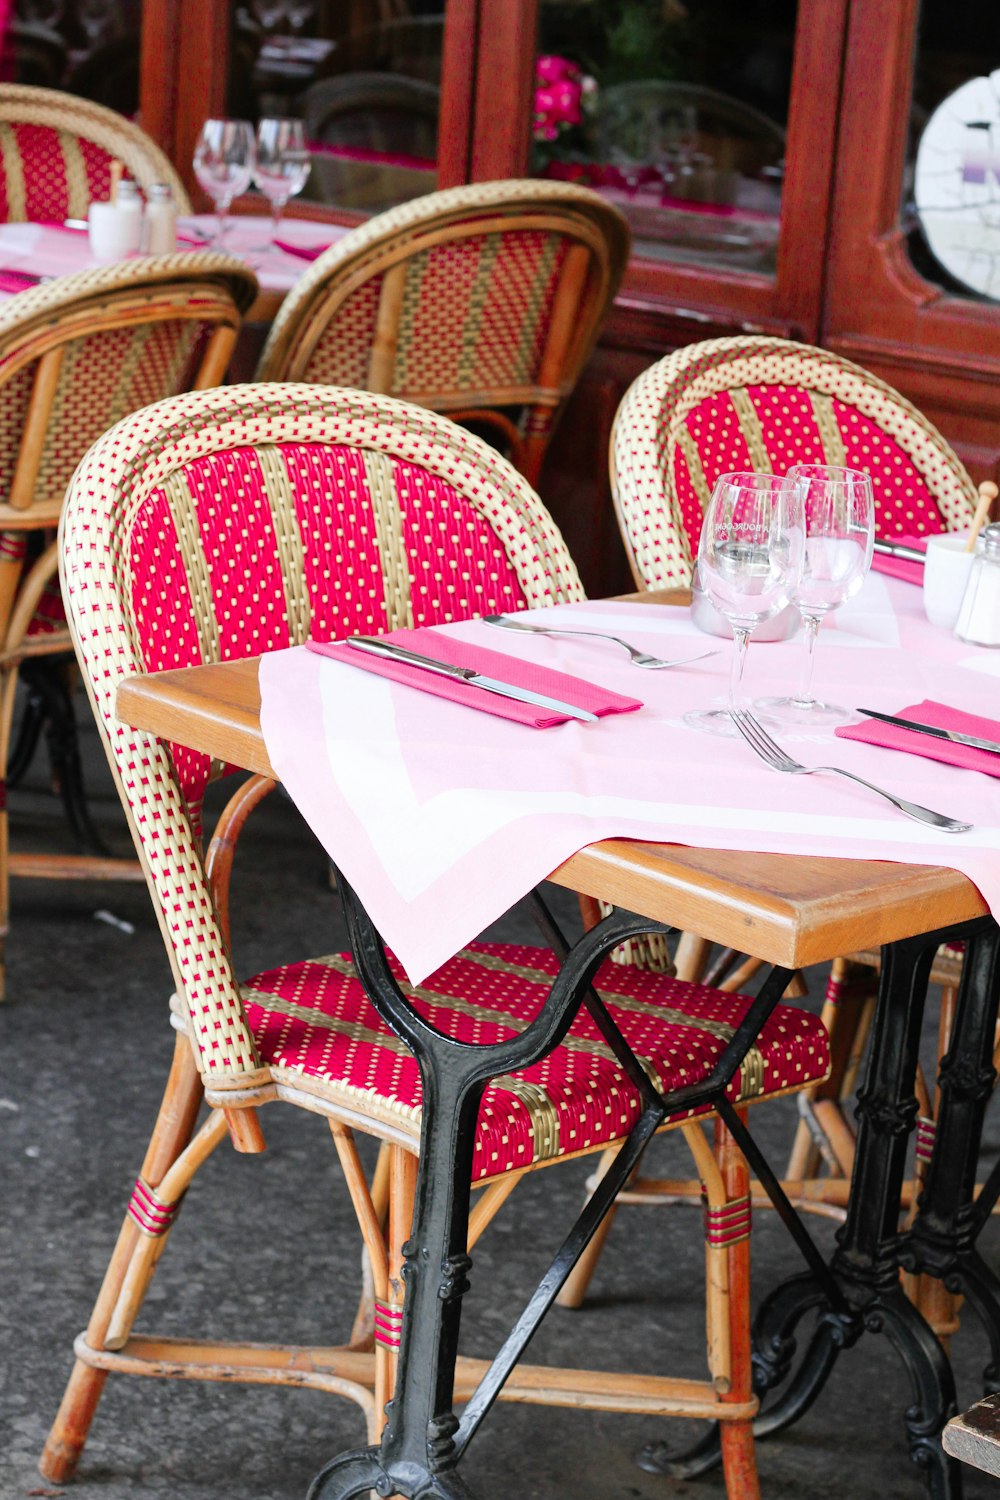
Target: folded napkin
<point>900,567</point>
<point>304,252</point>
<point>587,695</point>
<point>940,716</point>
<point>17,281</point>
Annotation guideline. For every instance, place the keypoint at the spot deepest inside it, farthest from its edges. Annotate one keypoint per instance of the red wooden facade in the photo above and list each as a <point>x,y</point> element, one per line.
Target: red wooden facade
<point>843,276</point>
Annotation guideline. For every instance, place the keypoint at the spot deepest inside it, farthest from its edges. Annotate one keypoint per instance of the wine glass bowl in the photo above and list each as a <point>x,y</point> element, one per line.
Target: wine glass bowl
<point>224,164</point>
<point>282,163</point>
<point>749,561</point>
<point>839,515</point>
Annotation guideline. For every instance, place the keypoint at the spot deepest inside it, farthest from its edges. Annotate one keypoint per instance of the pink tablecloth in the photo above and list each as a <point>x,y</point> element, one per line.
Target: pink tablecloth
<point>50,250</point>
<point>441,818</point>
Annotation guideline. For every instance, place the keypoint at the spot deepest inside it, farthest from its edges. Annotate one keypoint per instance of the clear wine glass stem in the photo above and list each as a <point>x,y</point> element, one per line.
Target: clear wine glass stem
<point>222,210</point>
<point>805,698</point>
<point>741,637</point>
<point>277,209</point>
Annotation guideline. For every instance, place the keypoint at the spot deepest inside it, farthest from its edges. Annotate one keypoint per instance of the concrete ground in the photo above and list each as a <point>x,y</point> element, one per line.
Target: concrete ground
<point>266,1247</point>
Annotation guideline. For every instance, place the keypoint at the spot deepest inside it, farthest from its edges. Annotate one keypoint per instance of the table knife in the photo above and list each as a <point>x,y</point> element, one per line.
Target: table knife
<point>897,549</point>
<point>466,674</point>
<point>932,729</point>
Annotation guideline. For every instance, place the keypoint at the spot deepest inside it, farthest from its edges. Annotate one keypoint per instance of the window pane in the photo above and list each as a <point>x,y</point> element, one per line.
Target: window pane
<point>951,193</point>
<point>675,110</point>
<point>85,47</point>
<point>365,84</point>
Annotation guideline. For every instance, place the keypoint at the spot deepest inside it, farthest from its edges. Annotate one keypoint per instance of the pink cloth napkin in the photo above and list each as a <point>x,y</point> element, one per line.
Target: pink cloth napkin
<point>304,252</point>
<point>940,716</point>
<point>17,281</point>
<point>575,690</point>
<point>899,567</point>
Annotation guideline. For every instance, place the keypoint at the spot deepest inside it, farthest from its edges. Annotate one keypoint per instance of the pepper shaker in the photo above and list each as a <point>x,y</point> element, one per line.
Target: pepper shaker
<point>979,616</point>
<point>161,220</point>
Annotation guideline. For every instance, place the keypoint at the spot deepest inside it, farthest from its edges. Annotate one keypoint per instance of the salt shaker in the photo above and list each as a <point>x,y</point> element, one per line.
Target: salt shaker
<point>161,220</point>
<point>979,617</point>
<point>128,202</point>
<point>116,228</point>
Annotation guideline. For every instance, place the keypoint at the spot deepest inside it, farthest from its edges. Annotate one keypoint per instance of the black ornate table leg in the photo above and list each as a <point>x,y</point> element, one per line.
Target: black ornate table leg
<point>419,1451</point>
<point>423,1440</point>
<point>870,1248</point>
<point>942,1240</point>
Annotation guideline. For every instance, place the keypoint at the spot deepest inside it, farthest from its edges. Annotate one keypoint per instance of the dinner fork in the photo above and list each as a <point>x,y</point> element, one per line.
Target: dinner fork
<point>640,658</point>
<point>761,742</point>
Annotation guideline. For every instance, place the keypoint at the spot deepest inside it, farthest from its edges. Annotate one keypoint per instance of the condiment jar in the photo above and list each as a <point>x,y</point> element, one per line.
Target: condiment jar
<point>116,228</point>
<point>979,617</point>
<point>128,202</point>
<point>161,220</point>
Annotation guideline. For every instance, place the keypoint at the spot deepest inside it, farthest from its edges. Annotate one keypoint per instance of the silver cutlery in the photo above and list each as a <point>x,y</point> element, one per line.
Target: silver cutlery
<point>469,675</point>
<point>762,744</point>
<point>932,729</point>
<point>640,658</point>
<point>897,549</point>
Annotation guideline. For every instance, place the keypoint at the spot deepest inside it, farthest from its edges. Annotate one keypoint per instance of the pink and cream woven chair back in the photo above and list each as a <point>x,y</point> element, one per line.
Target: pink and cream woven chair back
<point>477,298</point>
<point>56,152</point>
<point>225,523</point>
<point>75,357</point>
<point>765,404</point>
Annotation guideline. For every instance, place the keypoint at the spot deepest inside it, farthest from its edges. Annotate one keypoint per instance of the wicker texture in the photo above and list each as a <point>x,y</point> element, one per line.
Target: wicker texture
<point>170,535</point>
<point>56,152</point>
<point>463,299</point>
<point>77,355</point>
<point>314,1028</point>
<point>765,404</point>
<point>226,521</point>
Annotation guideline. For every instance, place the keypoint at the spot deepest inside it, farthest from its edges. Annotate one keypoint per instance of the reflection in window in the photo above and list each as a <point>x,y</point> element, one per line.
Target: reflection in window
<point>365,80</point>
<point>676,111</point>
<point>85,47</point>
<point>951,191</point>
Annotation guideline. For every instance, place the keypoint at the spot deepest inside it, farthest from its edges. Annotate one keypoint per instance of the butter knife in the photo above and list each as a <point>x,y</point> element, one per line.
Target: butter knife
<point>897,549</point>
<point>932,729</point>
<point>388,649</point>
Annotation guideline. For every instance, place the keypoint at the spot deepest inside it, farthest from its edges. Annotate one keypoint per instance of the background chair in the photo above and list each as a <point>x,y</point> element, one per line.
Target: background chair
<point>764,404</point>
<point>56,152</point>
<point>153,537</point>
<point>76,355</point>
<point>372,138</point>
<point>483,302</point>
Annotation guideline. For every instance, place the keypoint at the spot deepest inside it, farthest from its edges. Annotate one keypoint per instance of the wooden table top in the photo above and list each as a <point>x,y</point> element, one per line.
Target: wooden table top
<point>787,909</point>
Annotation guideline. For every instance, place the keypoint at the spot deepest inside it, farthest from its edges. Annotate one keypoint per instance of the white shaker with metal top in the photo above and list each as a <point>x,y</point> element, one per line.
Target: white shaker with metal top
<point>979,617</point>
<point>161,220</point>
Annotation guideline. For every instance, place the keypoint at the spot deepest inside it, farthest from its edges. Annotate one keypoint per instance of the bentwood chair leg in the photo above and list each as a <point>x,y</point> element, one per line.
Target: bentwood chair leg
<point>171,1136</point>
<point>739,1463</point>
<point>8,686</point>
<point>575,1286</point>
<point>845,1014</point>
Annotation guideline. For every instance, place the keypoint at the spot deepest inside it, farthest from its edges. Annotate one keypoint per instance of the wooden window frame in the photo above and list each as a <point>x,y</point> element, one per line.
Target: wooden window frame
<point>941,350</point>
<point>655,293</point>
<point>175,102</point>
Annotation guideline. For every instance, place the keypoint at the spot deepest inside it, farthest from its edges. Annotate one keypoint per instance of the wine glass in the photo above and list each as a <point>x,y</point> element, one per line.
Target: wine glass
<point>839,512</point>
<point>282,164</point>
<point>224,164</point>
<point>749,560</point>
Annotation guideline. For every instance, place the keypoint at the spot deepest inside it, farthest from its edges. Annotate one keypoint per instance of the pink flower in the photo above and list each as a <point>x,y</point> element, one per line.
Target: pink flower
<point>566,101</point>
<point>551,69</point>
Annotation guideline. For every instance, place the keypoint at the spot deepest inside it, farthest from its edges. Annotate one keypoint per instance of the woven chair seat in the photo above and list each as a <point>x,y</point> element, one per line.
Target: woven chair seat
<point>316,1031</point>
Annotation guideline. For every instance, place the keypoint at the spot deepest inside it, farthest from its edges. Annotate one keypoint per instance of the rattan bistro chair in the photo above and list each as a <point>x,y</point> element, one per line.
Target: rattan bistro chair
<point>764,404</point>
<point>56,152</point>
<point>76,355</point>
<point>364,514</point>
<point>483,302</point>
